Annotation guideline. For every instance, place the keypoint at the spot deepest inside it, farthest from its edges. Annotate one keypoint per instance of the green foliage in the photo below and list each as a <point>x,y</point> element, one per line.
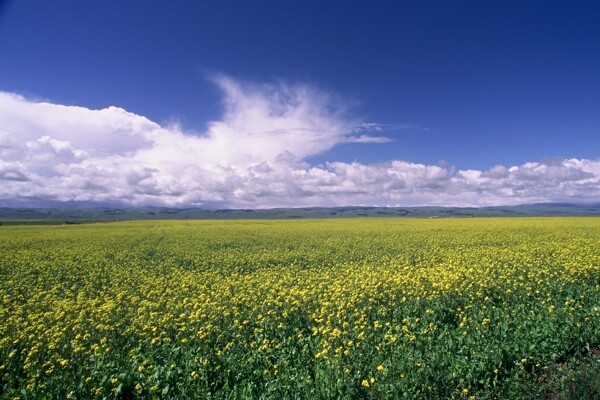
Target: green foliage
<point>388,308</point>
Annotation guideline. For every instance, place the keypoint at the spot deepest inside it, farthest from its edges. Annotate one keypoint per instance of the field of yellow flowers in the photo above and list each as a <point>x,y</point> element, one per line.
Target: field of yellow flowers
<point>307,309</point>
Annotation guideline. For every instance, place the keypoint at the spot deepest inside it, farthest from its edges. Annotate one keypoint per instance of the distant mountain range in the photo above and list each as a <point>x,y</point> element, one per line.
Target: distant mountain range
<point>100,214</point>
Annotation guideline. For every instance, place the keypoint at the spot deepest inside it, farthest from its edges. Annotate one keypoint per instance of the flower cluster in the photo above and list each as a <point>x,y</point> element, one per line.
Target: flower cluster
<point>324,308</point>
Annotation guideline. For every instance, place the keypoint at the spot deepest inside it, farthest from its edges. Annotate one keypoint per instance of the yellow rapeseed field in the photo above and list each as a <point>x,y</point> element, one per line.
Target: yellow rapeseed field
<point>354,308</point>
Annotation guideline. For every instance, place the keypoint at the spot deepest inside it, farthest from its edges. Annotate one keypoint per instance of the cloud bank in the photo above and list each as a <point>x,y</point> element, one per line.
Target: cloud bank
<point>253,157</point>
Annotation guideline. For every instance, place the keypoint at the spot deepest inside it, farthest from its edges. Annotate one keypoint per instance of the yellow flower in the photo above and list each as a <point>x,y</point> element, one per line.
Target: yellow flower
<point>380,367</point>
<point>365,383</point>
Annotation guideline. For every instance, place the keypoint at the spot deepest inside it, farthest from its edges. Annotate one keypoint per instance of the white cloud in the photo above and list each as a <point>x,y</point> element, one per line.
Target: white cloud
<point>367,139</point>
<point>254,156</point>
<point>377,127</point>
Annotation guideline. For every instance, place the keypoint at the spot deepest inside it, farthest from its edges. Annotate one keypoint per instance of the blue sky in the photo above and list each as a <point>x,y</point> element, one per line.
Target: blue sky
<point>376,103</point>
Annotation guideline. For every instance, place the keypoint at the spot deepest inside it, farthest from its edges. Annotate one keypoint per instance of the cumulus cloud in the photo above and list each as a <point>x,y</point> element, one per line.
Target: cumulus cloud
<point>254,156</point>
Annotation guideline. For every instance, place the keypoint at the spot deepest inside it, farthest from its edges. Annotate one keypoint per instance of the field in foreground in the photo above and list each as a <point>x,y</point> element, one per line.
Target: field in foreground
<point>478,308</point>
